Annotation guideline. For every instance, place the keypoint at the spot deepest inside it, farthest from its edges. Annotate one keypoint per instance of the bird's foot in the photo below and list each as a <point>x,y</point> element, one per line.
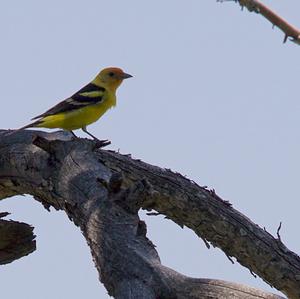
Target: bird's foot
<point>73,135</point>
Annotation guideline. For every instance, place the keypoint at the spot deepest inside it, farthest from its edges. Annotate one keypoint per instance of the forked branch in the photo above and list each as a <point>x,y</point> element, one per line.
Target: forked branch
<point>102,192</point>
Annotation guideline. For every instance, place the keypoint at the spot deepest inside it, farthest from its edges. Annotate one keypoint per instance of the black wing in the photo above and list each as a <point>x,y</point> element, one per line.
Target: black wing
<point>88,95</point>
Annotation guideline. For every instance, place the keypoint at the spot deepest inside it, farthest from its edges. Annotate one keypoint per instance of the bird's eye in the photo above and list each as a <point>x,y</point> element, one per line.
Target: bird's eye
<point>111,74</point>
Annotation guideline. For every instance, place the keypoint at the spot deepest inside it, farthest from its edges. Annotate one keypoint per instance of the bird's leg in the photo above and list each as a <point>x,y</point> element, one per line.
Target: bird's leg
<point>86,131</point>
<point>100,143</point>
<point>73,134</point>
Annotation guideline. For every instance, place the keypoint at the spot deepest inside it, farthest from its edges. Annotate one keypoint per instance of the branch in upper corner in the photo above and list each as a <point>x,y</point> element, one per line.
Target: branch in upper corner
<point>258,7</point>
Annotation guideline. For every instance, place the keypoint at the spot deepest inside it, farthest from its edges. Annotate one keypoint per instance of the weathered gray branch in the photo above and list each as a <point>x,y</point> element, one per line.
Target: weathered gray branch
<point>16,240</point>
<point>102,191</point>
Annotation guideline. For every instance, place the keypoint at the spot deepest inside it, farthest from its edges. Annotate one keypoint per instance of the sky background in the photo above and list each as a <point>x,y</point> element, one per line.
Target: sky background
<point>214,96</point>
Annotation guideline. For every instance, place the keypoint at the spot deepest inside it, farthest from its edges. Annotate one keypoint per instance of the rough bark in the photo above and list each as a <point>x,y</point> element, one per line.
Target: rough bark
<point>101,192</point>
<point>16,240</point>
<point>276,20</point>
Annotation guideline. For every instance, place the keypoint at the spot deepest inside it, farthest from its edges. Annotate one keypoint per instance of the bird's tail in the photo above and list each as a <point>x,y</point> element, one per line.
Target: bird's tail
<point>31,125</point>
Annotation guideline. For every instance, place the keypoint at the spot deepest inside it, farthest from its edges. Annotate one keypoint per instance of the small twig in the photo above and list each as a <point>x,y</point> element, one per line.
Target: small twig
<point>252,273</point>
<point>216,196</point>
<point>42,143</point>
<point>4,214</point>
<point>278,231</point>
<point>268,284</point>
<point>232,261</point>
<point>153,214</point>
<point>205,242</point>
<point>101,143</point>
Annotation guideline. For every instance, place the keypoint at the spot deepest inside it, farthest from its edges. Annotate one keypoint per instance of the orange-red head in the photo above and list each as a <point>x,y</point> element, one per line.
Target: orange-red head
<point>111,77</point>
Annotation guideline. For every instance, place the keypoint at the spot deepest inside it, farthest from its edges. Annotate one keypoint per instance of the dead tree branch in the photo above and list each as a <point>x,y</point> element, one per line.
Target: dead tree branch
<point>16,240</point>
<point>102,191</point>
<point>259,8</point>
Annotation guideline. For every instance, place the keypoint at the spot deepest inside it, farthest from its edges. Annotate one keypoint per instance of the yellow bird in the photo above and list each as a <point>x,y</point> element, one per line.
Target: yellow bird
<point>85,106</point>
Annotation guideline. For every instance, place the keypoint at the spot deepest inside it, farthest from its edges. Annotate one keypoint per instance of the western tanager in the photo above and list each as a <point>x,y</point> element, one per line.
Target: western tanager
<point>85,106</point>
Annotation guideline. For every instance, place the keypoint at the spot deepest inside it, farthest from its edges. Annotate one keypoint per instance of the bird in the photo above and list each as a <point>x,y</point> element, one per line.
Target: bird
<point>85,106</point>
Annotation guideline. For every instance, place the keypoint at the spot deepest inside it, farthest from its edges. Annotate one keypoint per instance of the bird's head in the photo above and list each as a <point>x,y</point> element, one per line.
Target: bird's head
<point>111,77</point>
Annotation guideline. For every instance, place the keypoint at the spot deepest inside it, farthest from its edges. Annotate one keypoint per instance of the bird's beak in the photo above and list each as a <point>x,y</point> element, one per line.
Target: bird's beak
<point>126,76</point>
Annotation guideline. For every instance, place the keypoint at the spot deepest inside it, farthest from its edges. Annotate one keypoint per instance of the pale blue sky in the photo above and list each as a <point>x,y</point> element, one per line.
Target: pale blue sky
<point>214,96</point>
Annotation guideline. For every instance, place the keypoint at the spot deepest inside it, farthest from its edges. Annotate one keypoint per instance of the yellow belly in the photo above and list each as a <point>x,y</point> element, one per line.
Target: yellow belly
<point>76,119</point>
